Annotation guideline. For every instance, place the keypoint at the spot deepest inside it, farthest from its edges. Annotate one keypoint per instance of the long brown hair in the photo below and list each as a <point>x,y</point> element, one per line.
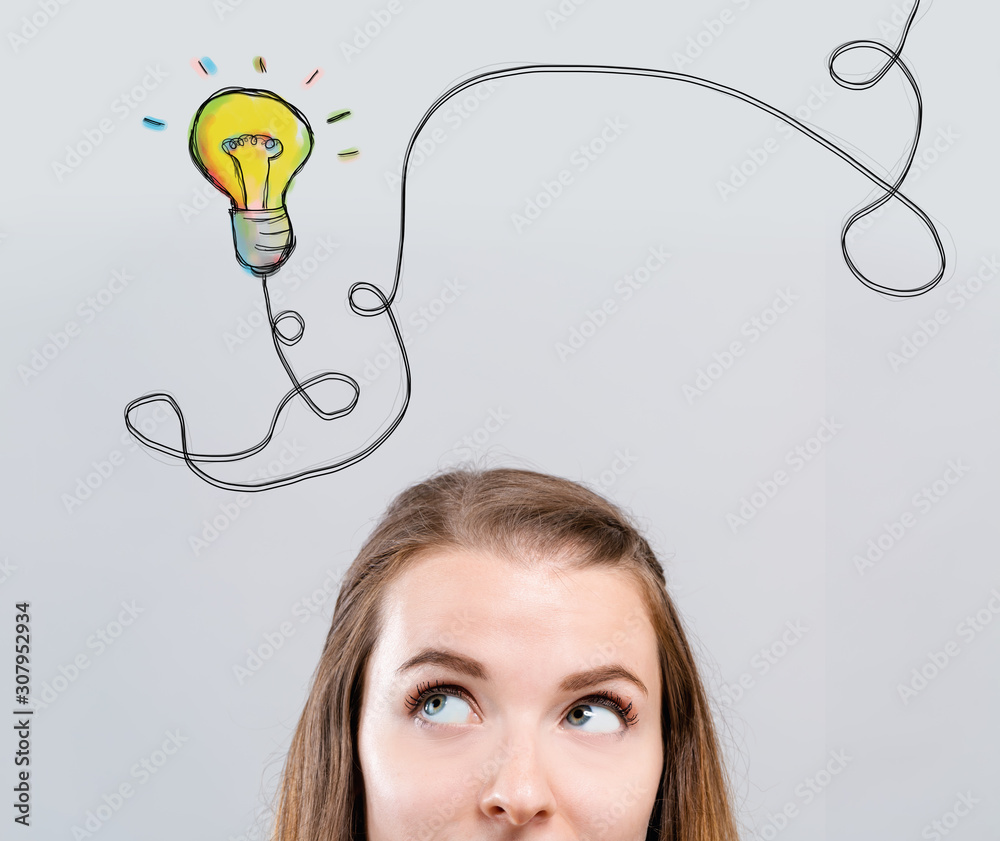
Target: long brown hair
<point>513,514</point>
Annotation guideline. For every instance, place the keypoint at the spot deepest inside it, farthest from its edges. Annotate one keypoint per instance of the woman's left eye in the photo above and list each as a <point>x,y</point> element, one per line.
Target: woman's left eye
<point>603,719</point>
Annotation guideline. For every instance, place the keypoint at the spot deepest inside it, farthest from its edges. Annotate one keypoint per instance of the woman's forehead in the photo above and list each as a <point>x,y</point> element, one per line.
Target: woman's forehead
<point>496,584</point>
<point>475,602</point>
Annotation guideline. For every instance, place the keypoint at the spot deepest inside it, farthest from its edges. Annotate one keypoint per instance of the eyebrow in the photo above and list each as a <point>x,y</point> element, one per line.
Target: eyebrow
<point>576,682</point>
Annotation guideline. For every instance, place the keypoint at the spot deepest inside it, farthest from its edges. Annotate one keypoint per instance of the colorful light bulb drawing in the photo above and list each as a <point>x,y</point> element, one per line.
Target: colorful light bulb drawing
<point>250,144</point>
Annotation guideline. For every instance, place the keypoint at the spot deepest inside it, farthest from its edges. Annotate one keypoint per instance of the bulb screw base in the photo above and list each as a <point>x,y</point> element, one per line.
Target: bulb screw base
<point>263,239</point>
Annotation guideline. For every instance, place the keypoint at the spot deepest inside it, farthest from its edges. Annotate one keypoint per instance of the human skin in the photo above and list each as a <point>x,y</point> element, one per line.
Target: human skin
<point>519,758</point>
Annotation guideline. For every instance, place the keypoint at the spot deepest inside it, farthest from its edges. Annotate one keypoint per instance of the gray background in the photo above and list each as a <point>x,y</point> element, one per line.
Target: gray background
<point>614,413</point>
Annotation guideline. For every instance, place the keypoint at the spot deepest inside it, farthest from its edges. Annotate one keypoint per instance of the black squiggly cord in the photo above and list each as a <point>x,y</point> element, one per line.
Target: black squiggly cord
<point>300,388</point>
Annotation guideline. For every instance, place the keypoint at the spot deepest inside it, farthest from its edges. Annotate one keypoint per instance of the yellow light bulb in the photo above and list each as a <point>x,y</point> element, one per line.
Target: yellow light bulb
<point>249,144</point>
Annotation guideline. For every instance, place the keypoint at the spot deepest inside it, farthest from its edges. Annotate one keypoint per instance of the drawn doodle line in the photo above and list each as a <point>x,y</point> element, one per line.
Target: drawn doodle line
<point>300,388</point>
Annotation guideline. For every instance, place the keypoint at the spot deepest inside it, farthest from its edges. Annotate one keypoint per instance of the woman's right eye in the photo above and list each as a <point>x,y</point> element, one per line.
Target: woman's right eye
<point>442,708</point>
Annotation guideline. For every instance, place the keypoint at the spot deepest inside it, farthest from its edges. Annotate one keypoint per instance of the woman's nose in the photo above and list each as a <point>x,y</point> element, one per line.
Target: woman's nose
<point>517,789</point>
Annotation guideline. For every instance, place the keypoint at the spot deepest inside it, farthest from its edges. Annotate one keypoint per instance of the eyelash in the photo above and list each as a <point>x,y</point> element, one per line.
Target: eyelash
<point>604,698</point>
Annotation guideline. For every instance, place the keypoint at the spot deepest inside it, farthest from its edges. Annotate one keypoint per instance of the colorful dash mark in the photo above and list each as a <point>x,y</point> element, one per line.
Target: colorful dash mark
<point>154,124</point>
<point>204,66</point>
<point>353,152</point>
<point>316,75</point>
<point>337,116</point>
<point>259,64</point>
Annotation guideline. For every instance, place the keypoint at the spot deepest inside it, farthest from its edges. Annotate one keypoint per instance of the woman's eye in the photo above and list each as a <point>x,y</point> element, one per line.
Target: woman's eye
<point>446,709</point>
<point>601,718</point>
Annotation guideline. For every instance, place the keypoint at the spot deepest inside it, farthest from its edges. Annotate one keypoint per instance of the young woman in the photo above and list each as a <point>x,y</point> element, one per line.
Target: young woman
<point>505,663</point>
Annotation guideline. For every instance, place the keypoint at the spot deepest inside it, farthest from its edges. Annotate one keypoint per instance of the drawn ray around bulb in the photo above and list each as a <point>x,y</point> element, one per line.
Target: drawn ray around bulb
<point>204,66</point>
<point>888,187</point>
